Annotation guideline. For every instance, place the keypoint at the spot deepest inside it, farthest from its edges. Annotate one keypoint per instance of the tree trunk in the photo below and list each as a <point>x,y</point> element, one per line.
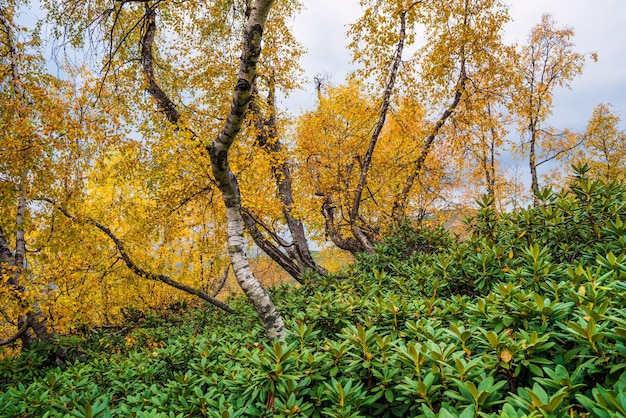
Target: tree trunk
<point>361,241</point>
<point>295,257</point>
<point>31,325</point>
<point>345,243</point>
<point>491,168</point>
<point>532,162</point>
<point>299,257</point>
<point>226,180</point>
<point>218,149</point>
<point>367,161</point>
<point>402,199</point>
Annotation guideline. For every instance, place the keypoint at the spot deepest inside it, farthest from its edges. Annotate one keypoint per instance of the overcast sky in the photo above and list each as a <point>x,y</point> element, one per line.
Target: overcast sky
<point>599,27</point>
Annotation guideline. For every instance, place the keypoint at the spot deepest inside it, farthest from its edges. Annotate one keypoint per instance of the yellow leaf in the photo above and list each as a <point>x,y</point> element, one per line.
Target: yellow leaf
<point>506,356</point>
<point>130,340</point>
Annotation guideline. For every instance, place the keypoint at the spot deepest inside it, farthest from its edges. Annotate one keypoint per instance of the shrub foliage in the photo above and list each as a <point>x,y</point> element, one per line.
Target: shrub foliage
<point>524,318</point>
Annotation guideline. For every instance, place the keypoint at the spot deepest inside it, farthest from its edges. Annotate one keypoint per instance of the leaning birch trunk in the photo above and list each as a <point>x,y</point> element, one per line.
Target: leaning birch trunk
<point>293,257</point>
<point>226,180</point>
<point>357,232</point>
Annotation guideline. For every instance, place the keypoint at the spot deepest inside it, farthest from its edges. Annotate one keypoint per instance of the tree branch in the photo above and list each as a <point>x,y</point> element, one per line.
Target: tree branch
<point>25,326</point>
<point>367,161</point>
<point>268,140</point>
<point>281,242</point>
<point>6,255</point>
<point>222,282</point>
<point>138,270</point>
<point>268,248</point>
<point>349,244</point>
<point>563,151</point>
<point>166,106</point>
<point>400,203</point>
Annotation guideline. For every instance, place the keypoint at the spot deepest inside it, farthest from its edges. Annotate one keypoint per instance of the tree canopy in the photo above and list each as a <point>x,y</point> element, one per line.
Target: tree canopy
<point>147,168</point>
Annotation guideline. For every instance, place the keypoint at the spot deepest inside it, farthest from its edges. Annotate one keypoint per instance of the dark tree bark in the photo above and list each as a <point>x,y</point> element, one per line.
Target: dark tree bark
<point>31,325</point>
<point>144,274</point>
<point>298,252</point>
<point>361,239</point>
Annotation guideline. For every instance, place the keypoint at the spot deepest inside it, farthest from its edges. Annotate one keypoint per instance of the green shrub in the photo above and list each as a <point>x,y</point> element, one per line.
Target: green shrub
<point>525,318</point>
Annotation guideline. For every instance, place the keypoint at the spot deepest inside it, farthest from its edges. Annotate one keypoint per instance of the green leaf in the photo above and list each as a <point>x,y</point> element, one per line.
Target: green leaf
<point>389,395</point>
<point>469,412</point>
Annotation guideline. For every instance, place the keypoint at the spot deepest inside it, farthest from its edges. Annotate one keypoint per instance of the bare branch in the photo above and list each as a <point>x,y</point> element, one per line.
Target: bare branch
<point>268,248</point>
<point>190,198</point>
<point>138,270</point>
<point>563,151</point>
<point>222,282</point>
<point>280,241</point>
<point>25,326</point>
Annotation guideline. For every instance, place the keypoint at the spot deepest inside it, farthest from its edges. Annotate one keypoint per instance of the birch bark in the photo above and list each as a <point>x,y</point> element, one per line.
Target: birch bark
<point>227,182</point>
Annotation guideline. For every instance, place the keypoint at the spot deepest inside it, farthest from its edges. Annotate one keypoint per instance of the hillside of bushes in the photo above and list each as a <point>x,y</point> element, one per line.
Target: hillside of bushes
<point>525,318</point>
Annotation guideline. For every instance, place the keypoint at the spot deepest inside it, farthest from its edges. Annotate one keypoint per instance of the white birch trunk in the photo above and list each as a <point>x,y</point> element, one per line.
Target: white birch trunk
<point>226,180</point>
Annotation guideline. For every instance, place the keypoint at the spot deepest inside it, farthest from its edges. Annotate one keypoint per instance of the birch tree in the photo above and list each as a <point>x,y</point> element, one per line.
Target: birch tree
<point>603,146</point>
<point>22,121</point>
<point>546,62</point>
<point>204,132</point>
<point>462,41</point>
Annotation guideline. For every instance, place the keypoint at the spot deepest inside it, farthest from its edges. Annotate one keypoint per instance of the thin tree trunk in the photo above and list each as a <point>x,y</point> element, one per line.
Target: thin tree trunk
<point>298,250</point>
<point>491,168</point>
<point>608,174</point>
<point>490,160</point>
<point>360,241</point>
<point>367,160</point>
<point>299,257</point>
<point>400,203</point>
<point>32,324</point>
<point>218,151</point>
<point>226,180</point>
<point>33,319</point>
<point>20,256</point>
<point>532,162</point>
<point>401,200</point>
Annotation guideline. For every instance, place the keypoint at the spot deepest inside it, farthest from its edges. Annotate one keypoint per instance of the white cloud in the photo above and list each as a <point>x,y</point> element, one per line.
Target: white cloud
<point>598,27</point>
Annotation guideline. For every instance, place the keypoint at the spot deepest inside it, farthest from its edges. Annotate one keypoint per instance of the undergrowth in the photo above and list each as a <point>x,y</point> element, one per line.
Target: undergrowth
<point>524,318</point>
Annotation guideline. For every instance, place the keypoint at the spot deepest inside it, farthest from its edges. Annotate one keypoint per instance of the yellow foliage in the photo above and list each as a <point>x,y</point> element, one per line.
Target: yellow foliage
<point>603,146</point>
